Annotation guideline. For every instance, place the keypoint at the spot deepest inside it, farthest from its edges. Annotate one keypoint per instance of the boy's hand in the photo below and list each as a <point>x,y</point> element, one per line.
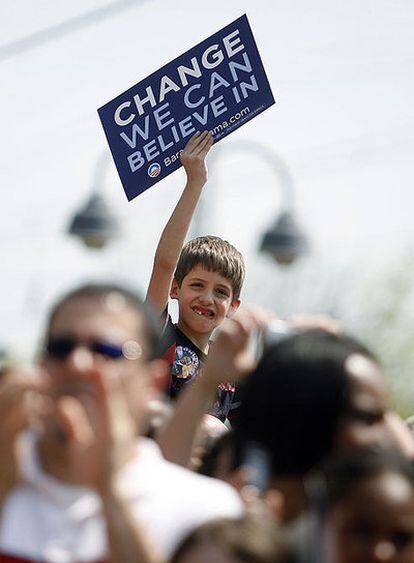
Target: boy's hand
<point>193,157</point>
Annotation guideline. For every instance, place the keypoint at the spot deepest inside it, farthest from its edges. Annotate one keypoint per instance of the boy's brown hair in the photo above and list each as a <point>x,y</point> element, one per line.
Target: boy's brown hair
<point>215,255</point>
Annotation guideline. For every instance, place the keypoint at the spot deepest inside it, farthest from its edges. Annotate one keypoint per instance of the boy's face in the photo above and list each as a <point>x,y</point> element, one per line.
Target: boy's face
<point>205,299</point>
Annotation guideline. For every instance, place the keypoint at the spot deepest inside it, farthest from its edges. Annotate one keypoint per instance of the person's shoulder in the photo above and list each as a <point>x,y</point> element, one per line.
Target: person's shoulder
<point>205,498</point>
<point>201,484</point>
<point>190,486</point>
<point>172,500</point>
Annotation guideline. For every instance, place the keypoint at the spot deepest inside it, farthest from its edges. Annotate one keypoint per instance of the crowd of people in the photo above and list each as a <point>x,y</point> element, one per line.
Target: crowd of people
<point>224,437</point>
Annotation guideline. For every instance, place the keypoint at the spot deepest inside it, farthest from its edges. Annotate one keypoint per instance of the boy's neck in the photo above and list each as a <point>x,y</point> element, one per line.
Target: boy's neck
<point>200,340</point>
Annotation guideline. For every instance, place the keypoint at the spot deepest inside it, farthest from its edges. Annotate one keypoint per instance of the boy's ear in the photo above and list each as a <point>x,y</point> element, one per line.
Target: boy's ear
<point>233,308</point>
<point>174,289</point>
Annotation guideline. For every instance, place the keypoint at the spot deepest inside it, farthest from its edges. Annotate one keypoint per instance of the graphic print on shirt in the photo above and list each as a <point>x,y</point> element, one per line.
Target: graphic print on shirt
<point>186,364</point>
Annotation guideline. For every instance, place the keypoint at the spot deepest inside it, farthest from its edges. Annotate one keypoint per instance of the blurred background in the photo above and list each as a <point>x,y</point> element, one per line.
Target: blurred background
<point>337,148</point>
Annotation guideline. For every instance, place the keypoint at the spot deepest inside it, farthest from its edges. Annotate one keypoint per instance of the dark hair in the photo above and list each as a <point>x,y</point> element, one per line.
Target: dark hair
<point>100,292</point>
<point>214,254</point>
<point>251,540</point>
<point>211,457</point>
<point>345,471</point>
<point>295,398</point>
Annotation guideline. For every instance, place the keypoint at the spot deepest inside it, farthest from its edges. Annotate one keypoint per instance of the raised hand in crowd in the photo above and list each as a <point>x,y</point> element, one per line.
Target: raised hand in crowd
<point>231,358</point>
<point>91,434</point>
<point>175,231</point>
<point>19,394</point>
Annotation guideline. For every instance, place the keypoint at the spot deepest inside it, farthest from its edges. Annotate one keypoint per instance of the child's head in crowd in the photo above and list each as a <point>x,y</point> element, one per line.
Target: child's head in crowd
<point>215,255</point>
<point>311,394</point>
<point>207,281</point>
<point>369,508</point>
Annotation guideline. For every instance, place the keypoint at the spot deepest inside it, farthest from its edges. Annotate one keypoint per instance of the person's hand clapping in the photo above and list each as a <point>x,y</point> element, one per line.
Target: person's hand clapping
<point>231,357</point>
<point>96,427</point>
<point>19,389</point>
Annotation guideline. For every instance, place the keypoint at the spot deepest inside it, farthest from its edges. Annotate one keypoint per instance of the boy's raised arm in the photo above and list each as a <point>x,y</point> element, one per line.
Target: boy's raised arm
<point>175,231</point>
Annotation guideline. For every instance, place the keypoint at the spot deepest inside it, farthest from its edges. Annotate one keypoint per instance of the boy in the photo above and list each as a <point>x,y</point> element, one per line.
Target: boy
<point>205,277</point>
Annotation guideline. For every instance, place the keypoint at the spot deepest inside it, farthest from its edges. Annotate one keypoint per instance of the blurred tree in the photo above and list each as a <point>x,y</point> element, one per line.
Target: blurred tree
<point>386,325</point>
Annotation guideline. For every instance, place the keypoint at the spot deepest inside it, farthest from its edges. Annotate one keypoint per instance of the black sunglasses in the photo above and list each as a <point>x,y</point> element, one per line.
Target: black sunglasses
<point>60,348</point>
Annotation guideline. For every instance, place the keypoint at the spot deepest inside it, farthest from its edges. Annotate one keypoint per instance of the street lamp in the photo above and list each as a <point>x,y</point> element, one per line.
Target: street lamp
<point>94,223</point>
<point>285,240</point>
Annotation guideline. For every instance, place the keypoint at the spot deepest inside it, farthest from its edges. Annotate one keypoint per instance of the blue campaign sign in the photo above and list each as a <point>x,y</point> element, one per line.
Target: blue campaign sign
<point>218,85</point>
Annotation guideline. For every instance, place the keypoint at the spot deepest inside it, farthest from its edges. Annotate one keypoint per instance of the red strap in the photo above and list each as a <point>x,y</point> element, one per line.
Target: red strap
<point>169,354</point>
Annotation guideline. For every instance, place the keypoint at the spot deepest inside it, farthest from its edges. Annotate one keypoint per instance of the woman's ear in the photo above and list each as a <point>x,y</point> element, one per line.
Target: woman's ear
<point>174,289</point>
<point>233,308</point>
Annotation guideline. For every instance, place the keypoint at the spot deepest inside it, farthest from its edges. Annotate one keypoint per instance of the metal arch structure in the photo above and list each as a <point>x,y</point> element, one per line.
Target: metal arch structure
<point>271,158</point>
<point>285,241</point>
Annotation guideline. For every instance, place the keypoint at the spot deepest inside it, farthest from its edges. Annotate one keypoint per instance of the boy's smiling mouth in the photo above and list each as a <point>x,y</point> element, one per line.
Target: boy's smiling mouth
<point>202,312</point>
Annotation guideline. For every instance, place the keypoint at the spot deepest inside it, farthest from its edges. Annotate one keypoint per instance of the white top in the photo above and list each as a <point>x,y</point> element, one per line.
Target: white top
<point>49,520</point>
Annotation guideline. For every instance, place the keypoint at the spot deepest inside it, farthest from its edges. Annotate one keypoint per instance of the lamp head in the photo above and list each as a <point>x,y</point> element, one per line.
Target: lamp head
<point>284,241</point>
<point>94,224</point>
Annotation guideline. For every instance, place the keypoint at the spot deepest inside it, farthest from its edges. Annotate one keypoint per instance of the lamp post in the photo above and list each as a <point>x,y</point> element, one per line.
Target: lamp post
<point>284,240</point>
<point>94,223</point>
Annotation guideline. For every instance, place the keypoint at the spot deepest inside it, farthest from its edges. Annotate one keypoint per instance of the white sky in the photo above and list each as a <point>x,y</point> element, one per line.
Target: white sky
<point>341,72</point>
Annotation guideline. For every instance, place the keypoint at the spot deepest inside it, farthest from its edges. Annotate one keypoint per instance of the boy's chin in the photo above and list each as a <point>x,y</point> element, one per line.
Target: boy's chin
<point>204,325</point>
